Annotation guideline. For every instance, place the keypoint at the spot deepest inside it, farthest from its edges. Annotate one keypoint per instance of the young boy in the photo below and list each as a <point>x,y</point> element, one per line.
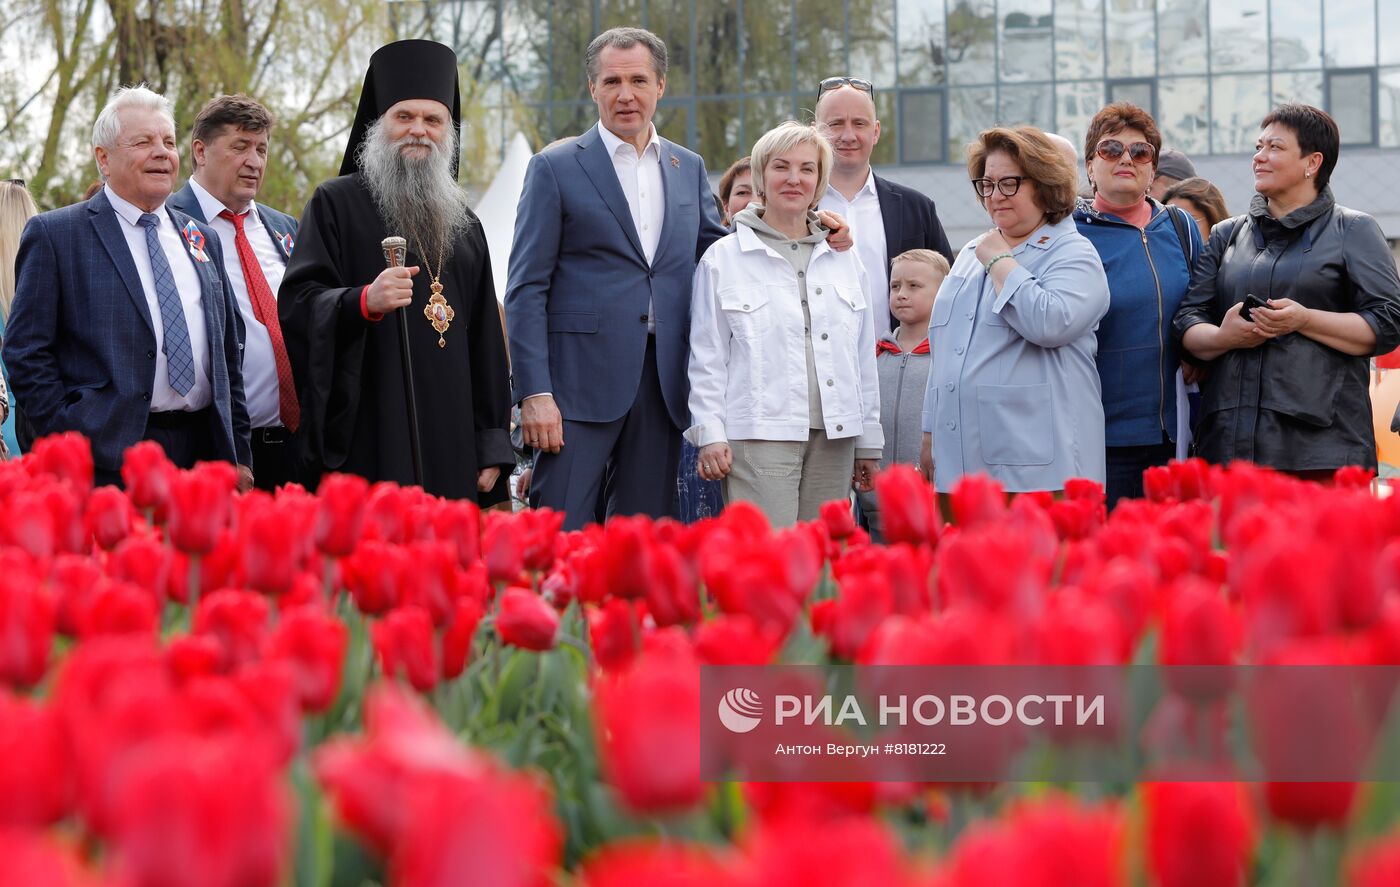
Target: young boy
<point>902,358</point>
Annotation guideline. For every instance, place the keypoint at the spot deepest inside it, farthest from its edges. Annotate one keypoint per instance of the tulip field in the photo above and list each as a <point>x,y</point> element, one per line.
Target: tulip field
<point>369,686</point>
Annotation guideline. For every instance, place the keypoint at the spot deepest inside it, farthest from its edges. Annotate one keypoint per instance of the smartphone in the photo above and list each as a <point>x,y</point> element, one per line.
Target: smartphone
<point>1251,301</point>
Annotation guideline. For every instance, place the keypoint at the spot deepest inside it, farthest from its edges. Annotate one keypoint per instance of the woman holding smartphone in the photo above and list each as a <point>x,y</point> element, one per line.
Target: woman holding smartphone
<point>1288,386</point>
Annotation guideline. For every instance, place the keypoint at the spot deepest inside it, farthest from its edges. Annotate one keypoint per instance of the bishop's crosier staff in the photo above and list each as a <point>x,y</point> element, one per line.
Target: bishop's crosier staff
<point>395,252</point>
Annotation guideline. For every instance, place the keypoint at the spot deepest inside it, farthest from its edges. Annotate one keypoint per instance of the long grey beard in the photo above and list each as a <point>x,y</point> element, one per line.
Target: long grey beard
<point>418,198</point>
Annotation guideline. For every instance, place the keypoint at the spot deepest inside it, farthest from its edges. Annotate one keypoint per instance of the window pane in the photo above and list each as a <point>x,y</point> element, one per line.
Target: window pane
<point>1033,104</point>
<point>717,47</point>
<point>1078,39</point>
<point>1349,101</point>
<point>1181,26</point>
<point>1388,11</point>
<point>921,132</point>
<point>761,115</point>
<point>1027,51</point>
<point>1297,25</point>
<point>1185,114</point>
<point>767,41</point>
<point>871,43</point>
<point>1350,26</point>
<point>717,127</point>
<point>921,51</point>
<point>571,29</point>
<point>971,41</point>
<point>1132,38</point>
<point>821,37</point>
<point>884,153</point>
<point>1075,105</point>
<point>670,20</point>
<point>1139,92</point>
<point>525,51</point>
<point>1238,103</point>
<point>1389,105</point>
<point>970,111</point>
<point>1238,31</point>
<point>1298,86</point>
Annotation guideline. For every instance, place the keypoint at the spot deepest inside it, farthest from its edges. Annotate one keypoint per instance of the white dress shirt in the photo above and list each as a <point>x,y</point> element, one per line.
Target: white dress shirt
<point>259,367</point>
<point>640,178</point>
<point>177,254</point>
<point>868,229</point>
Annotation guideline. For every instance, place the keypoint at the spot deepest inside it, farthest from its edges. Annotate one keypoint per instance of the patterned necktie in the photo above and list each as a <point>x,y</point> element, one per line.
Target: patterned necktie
<point>265,310</point>
<point>179,358</point>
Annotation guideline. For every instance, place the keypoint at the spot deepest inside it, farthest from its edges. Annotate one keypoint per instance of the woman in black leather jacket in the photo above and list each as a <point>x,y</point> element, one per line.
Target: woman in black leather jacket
<point>1288,382</point>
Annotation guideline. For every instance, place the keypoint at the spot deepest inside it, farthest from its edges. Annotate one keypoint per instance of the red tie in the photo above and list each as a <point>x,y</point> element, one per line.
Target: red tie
<point>265,310</point>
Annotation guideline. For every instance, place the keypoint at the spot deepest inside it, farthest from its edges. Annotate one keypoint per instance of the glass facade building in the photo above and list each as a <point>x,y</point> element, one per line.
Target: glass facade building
<point>943,69</point>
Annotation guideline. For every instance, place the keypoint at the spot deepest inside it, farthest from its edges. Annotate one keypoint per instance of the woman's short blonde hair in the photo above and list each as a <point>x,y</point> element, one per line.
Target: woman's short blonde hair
<point>1055,177</point>
<point>783,138</point>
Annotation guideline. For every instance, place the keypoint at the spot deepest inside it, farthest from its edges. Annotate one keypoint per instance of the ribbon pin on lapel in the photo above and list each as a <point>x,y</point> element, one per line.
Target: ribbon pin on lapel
<point>287,243</point>
<point>675,161</point>
<point>194,238</point>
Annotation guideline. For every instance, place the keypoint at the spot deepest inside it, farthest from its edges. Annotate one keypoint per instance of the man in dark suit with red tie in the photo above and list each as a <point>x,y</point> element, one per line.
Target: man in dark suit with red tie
<point>229,148</point>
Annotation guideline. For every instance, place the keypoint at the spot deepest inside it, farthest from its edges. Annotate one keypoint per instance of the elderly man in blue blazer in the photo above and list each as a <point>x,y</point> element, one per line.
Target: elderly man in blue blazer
<point>123,323</point>
<point>229,148</point>
<point>608,232</point>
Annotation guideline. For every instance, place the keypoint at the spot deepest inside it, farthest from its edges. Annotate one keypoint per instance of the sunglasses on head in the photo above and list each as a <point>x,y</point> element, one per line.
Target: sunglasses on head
<point>1138,152</point>
<point>831,83</point>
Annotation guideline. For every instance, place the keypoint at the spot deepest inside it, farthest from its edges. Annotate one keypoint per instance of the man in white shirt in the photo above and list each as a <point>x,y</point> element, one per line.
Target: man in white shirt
<point>886,218</point>
<point>229,147</point>
<point>123,327</point>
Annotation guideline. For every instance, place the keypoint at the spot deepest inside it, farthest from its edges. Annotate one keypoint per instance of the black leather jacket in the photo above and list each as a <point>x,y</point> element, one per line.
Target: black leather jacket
<point>1293,403</point>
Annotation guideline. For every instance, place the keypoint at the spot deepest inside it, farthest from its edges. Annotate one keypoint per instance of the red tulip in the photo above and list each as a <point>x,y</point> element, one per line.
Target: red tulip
<point>238,619</point>
<point>908,506</point>
<point>29,524</point>
<point>852,852</point>
<point>201,501</point>
<point>840,521</point>
<point>458,522</point>
<point>671,593</point>
<point>864,602</point>
<point>735,640</point>
<point>613,633</point>
<point>27,619</point>
<point>67,458</point>
<point>503,542</point>
<point>341,513</point>
<point>1199,834</point>
<point>142,560</point>
<point>109,517</point>
<point>428,578</point>
<point>201,811</point>
<point>194,656</point>
<point>485,828</point>
<point>73,580</point>
<point>457,639</point>
<point>628,863</point>
<point>774,802</point>
<point>524,619</point>
<point>648,724</point>
<point>120,608</point>
<point>1310,805</point>
<point>372,576</point>
<point>404,641</point>
<point>314,644</point>
<point>976,499</point>
<point>36,769</point>
<point>39,859</point>
<point>1378,865</point>
<point>1051,842</point>
<point>273,542</point>
<point>147,474</point>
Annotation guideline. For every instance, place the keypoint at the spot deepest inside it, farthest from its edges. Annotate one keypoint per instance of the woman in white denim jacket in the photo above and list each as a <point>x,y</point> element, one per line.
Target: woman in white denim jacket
<point>784,395</point>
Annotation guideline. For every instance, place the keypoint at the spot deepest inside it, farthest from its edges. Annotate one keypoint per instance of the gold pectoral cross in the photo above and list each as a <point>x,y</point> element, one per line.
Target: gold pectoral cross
<point>438,312</point>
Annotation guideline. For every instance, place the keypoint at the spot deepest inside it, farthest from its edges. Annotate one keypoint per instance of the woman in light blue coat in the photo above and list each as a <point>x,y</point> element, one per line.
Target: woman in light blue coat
<point>1014,390</point>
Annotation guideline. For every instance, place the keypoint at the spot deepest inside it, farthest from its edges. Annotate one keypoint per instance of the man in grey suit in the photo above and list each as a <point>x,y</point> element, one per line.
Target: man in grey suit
<point>607,235</point>
<point>123,325</point>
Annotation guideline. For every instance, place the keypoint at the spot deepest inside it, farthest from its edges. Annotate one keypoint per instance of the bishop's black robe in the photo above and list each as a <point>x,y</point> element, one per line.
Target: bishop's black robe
<point>348,369</point>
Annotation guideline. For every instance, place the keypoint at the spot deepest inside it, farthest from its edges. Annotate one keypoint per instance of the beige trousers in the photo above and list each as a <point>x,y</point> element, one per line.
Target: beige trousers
<point>790,479</point>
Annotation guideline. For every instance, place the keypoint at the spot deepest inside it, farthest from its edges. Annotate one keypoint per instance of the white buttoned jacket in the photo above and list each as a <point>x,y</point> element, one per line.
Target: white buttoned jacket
<point>748,361</point>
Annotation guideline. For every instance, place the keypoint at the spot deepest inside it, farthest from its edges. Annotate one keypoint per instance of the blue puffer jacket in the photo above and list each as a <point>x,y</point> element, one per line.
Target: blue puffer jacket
<point>1147,277</point>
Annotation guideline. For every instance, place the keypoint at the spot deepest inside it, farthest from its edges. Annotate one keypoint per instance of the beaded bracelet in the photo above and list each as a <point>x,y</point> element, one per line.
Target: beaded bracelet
<point>988,267</point>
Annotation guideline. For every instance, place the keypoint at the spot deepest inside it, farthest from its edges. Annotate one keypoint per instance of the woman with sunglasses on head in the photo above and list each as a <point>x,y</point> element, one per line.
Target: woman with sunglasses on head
<point>1013,391</point>
<point>1287,305</point>
<point>1147,251</point>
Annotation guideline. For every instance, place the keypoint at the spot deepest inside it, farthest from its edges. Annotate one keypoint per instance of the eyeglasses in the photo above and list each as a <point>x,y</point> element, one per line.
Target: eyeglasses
<point>831,83</point>
<point>1139,152</point>
<point>19,182</point>
<point>1008,186</point>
